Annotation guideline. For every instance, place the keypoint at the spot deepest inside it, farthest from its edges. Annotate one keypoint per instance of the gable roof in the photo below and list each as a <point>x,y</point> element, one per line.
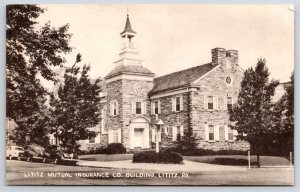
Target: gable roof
<point>130,69</point>
<point>180,78</point>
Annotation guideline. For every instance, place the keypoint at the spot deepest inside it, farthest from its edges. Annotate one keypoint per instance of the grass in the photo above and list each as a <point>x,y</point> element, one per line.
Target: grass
<point>239,160</point>
<point>104,157</point>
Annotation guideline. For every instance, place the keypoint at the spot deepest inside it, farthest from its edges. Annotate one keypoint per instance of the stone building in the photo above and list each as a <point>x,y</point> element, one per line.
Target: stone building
<point>196,99</point>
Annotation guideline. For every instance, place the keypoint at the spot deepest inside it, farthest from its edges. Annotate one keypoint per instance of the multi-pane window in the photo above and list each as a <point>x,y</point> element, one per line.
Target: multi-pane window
<point>211,132</point>
<point>115,136</point>
<point>230,134</point>
<point>178,133</point>
<point>229,103</point>
<point>210,102</point>
<point>115,108</point>
<point>177,105</point>
<point>138,108</point>
<point>156,107</point>
<point>92,140</point>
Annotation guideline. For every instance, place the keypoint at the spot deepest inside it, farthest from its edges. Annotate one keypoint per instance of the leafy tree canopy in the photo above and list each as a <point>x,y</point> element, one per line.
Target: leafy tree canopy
<point>251,114</point>
<point>31,52</point>
<point>75,107</point>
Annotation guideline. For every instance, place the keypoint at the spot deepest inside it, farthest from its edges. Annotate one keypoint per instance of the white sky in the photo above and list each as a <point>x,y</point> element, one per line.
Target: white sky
<point>176,37</point>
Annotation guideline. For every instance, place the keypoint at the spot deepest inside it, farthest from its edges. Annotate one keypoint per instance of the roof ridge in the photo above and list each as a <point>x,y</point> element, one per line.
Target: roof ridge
<point>182,70</point>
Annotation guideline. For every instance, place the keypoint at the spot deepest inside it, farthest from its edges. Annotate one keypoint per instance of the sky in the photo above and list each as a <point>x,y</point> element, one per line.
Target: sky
<point>175,37</point>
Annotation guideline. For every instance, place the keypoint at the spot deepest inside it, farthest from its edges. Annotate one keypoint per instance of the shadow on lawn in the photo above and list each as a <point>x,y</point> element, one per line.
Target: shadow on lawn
<point>231,161</point>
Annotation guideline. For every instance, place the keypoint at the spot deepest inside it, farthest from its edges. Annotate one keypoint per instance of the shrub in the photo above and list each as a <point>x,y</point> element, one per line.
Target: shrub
<point>203,152</point>
<point>153,157</point>
<point>115,148</point>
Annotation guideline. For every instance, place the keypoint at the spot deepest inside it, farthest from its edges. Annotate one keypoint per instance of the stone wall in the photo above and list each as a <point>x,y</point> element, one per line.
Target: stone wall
<point>129,94</point>
<point>214,84</point>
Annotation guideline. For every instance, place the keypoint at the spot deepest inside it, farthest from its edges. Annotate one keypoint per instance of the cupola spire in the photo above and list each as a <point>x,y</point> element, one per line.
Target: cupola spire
<point>128,29</point>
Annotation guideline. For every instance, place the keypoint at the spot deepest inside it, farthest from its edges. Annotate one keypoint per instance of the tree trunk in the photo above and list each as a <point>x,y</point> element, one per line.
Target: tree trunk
<point>258,161</point>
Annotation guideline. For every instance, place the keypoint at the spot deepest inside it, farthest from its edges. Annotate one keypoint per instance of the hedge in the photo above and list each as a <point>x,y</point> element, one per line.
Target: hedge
<point>203,152</point>
<point>115,148</point>
<point>153,157</point>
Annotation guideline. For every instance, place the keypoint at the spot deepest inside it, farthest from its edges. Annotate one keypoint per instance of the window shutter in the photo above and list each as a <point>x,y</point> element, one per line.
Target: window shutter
<point>235,133</point>
<point>173,104</point>
<point>117,110</point>
<point>133,107</point>
<point>145,107</point>
<point>206,132</point>
<point>111,109</point>
<point>159,109</point>
<point>225,103</point>
<point>217,103</point>
<point>174,130</point>
<point>110,136</point>
<point>226,132</point>
<point>153,135</point>
<point>152,107</point>
<point>181,103</point>
<point>119,136</point>
<point>166,129</point>
<point>216,133</point>
<point>214,102</point>
<point>205,101</point>
<point>181,130</point>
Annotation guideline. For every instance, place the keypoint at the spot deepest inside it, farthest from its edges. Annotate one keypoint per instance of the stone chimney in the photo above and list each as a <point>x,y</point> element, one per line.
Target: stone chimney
<point>218,56</point>
<point>233,56</point>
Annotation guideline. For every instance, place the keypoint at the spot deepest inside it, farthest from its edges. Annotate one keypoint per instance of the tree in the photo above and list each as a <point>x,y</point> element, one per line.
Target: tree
<point>250,115</point>
<point>75,106</point>
<point>32,52</point>
<point>284,121</point>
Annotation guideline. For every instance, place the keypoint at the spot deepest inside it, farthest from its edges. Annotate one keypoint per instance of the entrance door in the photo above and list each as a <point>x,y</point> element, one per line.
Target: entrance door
<point>138,137</point>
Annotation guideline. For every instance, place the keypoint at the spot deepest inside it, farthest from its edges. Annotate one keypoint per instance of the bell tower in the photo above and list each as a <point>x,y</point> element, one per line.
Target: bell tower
<point>129,54</point>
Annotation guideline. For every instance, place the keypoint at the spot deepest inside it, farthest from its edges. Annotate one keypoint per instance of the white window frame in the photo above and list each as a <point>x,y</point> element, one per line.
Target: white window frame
<point>114,108</point>
<point>174,103</point>
<point>115,136</point>
<point>143,107</point>
<point>215,102</point>
<point>216,132</point>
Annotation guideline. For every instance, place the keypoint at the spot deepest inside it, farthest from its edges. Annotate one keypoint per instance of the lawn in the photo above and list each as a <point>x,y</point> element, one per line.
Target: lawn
<point>239,160</point>
<point>104,157</point>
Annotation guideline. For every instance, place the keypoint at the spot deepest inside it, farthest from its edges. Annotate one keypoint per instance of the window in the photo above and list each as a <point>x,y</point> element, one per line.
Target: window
<point>115,136</point>
<point>156,107</point>
<point>210,102</point>
<point>177,103</point>
<point>211,135</point>
<point>228,80</point>
<point>138,108</point>
<point>229,103</point>
<point>230,134</point>
<point>178,133</point>
<point>114,108</point>
<point>92,140</point>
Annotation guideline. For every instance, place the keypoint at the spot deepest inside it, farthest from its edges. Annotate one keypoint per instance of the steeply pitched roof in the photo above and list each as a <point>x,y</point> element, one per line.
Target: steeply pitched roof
<point>128,27</point>
<point>130,69</point>
<point>181,78</point>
